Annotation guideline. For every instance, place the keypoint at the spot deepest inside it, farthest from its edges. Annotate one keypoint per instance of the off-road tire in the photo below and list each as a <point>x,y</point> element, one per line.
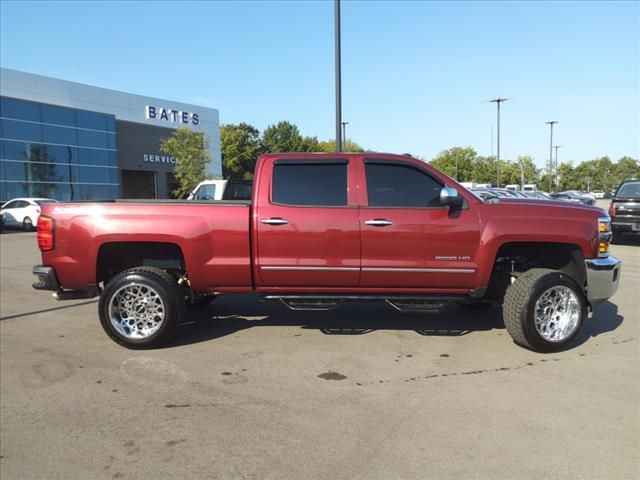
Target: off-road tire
<point>170,293</point>
<point>518,308</point>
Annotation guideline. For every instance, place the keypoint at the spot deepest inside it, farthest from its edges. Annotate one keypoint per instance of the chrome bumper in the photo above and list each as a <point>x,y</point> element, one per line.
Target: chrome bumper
<point>603,276</point>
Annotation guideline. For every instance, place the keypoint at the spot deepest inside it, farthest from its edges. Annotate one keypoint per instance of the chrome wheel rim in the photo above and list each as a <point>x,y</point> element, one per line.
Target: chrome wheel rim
<point>136,311</point>
<point>557,313</point>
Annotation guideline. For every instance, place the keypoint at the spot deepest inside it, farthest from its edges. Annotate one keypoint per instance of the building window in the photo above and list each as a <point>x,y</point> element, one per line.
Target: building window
<point>56,152</point>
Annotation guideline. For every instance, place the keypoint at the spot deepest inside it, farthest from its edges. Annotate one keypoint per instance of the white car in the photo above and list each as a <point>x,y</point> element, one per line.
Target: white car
<point>598,194</point>
<point>22,212</point>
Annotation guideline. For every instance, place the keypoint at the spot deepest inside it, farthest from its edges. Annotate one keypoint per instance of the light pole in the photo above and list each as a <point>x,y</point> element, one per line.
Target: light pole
<point>521,175</point>
<point>336,7</point>
<point>498,101</point>
<point>551,123</point>
<point>556,166</point>
<point>344,133</point>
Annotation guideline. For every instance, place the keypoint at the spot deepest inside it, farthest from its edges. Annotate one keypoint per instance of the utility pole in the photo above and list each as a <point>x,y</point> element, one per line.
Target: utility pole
<point>498,101</point>
<point>344,133</point>
<point>551,123</point>
<point>336,7</point>
<point>556,168</point>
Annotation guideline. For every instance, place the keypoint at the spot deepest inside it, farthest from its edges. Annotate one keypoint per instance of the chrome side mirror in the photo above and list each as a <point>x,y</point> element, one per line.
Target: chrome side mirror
<point>449,197</point>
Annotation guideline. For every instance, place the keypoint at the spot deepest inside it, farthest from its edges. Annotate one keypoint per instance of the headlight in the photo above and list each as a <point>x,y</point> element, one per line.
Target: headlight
<point>604,236</point>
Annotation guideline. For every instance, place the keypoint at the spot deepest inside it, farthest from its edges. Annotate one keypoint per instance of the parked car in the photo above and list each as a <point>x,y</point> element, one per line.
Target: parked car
<point>22,212</point>
<point>222,190</point>
<point>538,195</point>
<point>573,197</point>
<point>322,229</point>
<point>598,194</point>
<point>625,209</point>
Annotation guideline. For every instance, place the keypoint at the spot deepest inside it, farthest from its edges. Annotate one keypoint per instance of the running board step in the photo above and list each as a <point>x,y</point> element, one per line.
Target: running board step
<point>317,304</point>
<point>413,306</point>
<point>331,302</point>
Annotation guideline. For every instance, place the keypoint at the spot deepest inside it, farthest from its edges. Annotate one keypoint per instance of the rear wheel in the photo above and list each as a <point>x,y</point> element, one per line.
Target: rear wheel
<point>141,308</point>
<point>27,224</point>
<point>544,309</point>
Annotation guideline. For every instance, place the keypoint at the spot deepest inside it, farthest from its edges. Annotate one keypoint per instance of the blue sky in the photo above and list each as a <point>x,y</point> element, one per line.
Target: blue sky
<point>416,75</point>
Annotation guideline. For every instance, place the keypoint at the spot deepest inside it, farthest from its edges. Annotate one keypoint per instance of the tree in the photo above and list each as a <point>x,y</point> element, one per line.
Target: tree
<point>282,137</point>
<point>347,146</point>
<point>457,162</point>
<point>625,169</point>
<point>567,179</point>
<point>190,149</point>
<point>241,147</point>
<point>524,168</point>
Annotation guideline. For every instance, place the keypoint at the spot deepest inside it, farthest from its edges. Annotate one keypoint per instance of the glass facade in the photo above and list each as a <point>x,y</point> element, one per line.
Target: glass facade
<point>56,152</point>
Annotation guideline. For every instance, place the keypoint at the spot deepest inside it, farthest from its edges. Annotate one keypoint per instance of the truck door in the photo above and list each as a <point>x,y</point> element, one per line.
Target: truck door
<point>306,220</point>
<point>408,239</point>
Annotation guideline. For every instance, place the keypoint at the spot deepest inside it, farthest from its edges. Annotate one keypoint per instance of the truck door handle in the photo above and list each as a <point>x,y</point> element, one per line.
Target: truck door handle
<point>275,221</point>
<point>378,222</point>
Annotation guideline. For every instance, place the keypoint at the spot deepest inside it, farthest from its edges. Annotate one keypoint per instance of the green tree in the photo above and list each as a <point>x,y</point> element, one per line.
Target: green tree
<point>625,169</point>
<point>457,162</point>
<point>567,179</point>
<point>190,150</point>
<point>330,146</point>
<point>282,137</point>
<point>241,146</point>
<point>523,170</point>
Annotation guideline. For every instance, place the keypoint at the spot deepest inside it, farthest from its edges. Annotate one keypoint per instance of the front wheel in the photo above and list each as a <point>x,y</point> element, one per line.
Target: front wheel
<point>544,309</point>
<point>27,224</point>
<point>141,308</point>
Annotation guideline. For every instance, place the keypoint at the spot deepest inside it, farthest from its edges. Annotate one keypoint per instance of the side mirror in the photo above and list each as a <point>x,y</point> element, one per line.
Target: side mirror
<point>449,197</point>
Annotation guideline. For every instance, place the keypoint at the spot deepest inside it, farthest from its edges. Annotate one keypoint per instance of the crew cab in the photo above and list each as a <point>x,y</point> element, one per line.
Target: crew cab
<point>322,229</point>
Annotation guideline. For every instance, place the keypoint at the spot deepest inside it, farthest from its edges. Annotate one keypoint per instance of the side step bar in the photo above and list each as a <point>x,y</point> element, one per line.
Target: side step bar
<point>401,303</point>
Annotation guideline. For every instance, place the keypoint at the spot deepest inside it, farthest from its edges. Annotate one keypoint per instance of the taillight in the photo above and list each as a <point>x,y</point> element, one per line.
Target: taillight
<point>45,233</point>
<point>612,209</point>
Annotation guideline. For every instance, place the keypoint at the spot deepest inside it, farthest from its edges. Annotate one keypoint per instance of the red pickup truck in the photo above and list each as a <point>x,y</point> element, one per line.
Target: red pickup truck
<point>326,228</point>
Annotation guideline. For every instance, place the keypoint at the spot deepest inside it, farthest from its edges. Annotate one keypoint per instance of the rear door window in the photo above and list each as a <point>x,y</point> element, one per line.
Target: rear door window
<point>302,183</point>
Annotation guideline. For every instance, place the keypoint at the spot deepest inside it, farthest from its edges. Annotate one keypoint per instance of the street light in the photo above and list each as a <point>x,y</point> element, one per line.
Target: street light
<point>498,101</point>
<point>344,133</point>
<point>336,7</point>
<point>521,175</point>
<point>556,162</point>
<point>551,123</point>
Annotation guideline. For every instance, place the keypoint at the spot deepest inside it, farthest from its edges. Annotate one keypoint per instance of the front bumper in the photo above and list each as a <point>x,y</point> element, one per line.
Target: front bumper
<point>603,277</point>
<point>47,279</point>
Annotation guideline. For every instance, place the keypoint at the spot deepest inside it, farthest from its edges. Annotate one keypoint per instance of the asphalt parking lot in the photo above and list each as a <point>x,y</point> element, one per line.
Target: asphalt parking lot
<point>253,391</point>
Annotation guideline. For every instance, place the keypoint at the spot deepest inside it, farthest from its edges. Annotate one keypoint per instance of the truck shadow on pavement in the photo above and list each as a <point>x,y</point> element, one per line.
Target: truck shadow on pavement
<point>230,315</point>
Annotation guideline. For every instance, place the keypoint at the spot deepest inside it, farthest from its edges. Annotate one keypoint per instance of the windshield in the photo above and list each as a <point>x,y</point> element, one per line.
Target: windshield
<point>629,190</point>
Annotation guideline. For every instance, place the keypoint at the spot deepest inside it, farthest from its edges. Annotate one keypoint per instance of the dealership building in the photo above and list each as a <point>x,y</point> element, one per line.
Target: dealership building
<point>70,141</point>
